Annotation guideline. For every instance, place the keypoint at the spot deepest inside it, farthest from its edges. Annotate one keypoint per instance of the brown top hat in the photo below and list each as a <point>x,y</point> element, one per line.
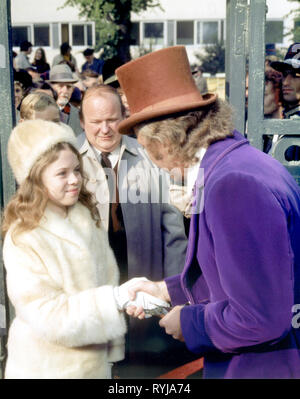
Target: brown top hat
<point>158,84</point>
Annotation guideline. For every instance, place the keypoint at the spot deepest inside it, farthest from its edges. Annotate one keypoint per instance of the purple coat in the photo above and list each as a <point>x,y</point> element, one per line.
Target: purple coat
<point>246,240</point>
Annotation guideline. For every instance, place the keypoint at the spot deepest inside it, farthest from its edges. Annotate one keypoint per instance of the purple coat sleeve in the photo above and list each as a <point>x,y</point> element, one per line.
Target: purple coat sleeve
<point>254,265</point>
<point>175,290</point>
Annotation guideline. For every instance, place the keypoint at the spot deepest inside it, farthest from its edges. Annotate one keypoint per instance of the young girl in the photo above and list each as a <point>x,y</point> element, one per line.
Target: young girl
<point>60,268</point>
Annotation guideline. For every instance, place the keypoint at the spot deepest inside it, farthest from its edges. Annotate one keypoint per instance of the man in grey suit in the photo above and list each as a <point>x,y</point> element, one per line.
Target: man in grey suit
<point>62,81</point>
<point>145,232</point>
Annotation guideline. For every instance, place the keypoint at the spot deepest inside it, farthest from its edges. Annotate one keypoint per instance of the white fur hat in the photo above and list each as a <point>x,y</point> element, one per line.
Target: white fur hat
<point>30,139</point>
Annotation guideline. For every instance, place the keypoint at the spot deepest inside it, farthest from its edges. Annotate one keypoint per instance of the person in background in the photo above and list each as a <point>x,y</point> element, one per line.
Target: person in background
<point>76,97</point>
<point>201,82</point>
<point>22,60</point>
<point>273,94</point>
<point>66,57</point>
<point>61,273</point>
<point>45,88</point>
<point>18,93</point>
<point>40,61</point>
<point>272,103</point>
<point>235,306</point>
<point>124,101</point>
<point>92,63</point>
<point>290,69</point>
<point>108,72</point>
<point>39,105</point>
<point>62,81</point>
<point>34,73</point>
<point>22,86</point>
<point>145,232</point>
<point>90,78</point>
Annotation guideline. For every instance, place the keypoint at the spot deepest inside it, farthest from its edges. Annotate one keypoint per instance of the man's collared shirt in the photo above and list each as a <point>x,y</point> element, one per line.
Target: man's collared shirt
<point>113,155</point>
<point>96,66</point>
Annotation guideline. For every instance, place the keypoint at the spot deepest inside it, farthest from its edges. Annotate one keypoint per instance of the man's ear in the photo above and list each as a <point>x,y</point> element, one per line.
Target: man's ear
<point>21,120</point>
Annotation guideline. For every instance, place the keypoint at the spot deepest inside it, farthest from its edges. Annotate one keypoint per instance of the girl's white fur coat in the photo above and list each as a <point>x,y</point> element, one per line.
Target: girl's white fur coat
<point>60,279</point>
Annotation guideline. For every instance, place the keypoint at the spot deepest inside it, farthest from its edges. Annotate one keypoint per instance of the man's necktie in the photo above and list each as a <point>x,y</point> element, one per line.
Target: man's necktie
<point>105,161</point>
<point>114,193</point>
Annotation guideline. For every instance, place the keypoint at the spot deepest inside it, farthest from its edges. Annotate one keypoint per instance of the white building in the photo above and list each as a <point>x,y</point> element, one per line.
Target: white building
<point>193,23</point>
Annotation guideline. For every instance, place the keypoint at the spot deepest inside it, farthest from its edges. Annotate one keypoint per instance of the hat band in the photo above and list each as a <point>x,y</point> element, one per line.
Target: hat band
<point>61,76</point>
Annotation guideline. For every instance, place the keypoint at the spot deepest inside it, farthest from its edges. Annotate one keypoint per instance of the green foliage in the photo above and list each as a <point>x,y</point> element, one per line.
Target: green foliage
<point>213,61</point>
<point>296,16</point>
<point>112,21</point>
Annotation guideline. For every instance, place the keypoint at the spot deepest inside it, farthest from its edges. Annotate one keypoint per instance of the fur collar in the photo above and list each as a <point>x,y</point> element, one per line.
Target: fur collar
<point>77,227</point>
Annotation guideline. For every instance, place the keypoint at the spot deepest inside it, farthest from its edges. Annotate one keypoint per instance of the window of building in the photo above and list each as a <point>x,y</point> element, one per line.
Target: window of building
<point>89,35</point>
<point>65,33</point>
<point>185,32</point>
<point>78,35</point>
<point>19,35</point>
<point>210,32</point>
<point>153,33</point>
<point>135,33</point>
<point>274,31</point>
<point>41,35</point>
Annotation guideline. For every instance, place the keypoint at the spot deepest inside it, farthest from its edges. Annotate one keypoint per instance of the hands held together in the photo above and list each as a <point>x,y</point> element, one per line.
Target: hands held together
<point>143,298</point>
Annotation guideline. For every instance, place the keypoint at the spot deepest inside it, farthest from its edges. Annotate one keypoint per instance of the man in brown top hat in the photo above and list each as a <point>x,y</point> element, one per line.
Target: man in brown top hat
<point>241,272</point>
<point>62,81</point>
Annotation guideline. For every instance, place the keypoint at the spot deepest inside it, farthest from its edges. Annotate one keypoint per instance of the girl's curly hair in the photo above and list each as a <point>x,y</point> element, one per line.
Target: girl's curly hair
<point>27,206</point>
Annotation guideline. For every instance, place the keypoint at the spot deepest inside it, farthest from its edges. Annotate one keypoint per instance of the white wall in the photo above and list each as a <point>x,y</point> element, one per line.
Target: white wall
<point>41,11</point>
<point>185,9</point>
<point>33,11</point>
<point>46,11</point>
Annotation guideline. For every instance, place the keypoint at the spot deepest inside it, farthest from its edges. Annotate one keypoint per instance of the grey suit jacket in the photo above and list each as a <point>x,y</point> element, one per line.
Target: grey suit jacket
<point>156,240</point>
<point>73,120</point>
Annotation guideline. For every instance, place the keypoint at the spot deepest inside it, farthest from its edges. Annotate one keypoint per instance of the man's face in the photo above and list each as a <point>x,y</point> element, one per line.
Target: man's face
<point>64,92</point>
<point>89,58</point>
<point>291,87</point>
<point>102,115</point>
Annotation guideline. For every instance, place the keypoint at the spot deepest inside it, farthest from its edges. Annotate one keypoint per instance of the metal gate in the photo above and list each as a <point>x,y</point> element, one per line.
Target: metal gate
<point>245,24</point>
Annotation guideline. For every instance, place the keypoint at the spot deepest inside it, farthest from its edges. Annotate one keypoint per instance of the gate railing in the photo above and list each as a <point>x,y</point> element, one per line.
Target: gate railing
<point>245,34</point>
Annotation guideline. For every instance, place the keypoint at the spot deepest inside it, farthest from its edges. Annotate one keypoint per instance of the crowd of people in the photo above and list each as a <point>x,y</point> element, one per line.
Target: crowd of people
<point>93,243</point>
<point>63,80</point>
